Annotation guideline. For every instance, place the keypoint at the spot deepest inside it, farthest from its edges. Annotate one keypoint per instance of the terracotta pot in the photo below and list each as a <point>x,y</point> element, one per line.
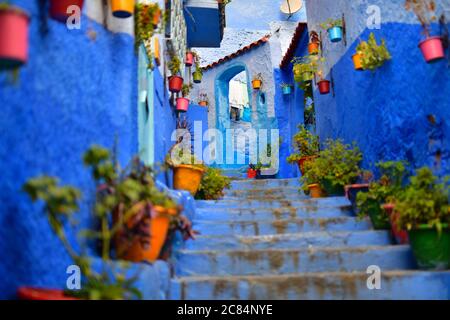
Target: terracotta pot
<point>182,104</point>
<point>203,103</point>
<point>187,177</point>
<point>158,226</point>
<point>315,191</point>
<point>58,9</point>
<point>29,293</point>
<point>189,59</point>
<point>256,84</point>
<point>313,48</point>
<point>122,8</point>
<point>14,24</point>
<point>175,84</point>
<point>401,236</point>
<point>432,49</point>
<point>324,86</point>
<point>303,160</point>
<point>357,61</point>
<point>251,173</point>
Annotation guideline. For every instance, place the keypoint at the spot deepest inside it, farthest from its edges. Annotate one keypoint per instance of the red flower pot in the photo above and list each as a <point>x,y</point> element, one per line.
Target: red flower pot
<point>58,8</point>
<point>182,104</point>
<point>432,49</point>
<point>401,236</point>
<point>175,84</point>
<point>251,173</point>
<point>13,38</point>
<point>303,160</point>
<point>27,293</point>
<point>189,59</point>
<point>324,86</point>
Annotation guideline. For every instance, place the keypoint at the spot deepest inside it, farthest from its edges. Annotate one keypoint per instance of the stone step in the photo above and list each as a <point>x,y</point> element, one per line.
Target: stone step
<point>228,214</point>
<point>399,285</point>
<point>287,261</point>
<point>291,193</point>
<point>268,183</point>
<point>268,227</point>
<point>292,241</point>
<point>273,203</point>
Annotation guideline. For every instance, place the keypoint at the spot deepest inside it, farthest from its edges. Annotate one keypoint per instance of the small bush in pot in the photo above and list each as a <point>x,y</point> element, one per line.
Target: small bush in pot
<point>212,185</point>
<point>305,68</point>
<point>175,81</point>
<point>197,75</point>
<point>334,29</point>
<point>183,102</point>
<point>372,55</point>
<point>424,210</point>
<point>306,146</point>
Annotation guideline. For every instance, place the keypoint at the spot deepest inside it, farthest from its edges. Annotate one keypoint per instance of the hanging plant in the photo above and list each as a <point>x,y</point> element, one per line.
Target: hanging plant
<point>122,8</point>
<point>425,10</point>
<point>183,102</point>
<point>323,84</point>
<point>334,27</point>
<point>145,28</point>
<point>257,81</point>
<point>305,68</point>
<point>197,75</point>
<point>372,55</point>
<point>314,43</point>
<point>175,81</point>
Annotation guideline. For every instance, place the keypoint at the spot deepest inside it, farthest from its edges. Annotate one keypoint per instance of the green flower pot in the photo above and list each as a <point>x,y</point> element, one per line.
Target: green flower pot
<point>197,76</point>
<point>378,217</point>
<point>431,250</point>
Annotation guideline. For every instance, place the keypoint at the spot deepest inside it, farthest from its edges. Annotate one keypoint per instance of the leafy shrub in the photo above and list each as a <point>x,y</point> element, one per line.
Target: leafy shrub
<point>305,144</point>
<point>212,185</point>
<point>373,55</point>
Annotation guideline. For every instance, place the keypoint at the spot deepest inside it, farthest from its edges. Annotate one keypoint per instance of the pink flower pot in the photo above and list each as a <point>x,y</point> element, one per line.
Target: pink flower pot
<point>175,84</point>
<point>189,59</point>
<point>58,8</point>
<point>432,49</point>
<point>182,104</point>
<point>13,38</point>
<point>324,86</point>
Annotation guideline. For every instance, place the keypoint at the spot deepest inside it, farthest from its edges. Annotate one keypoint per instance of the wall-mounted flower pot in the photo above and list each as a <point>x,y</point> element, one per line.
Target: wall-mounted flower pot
<point>197,76</point>
<point>357,61</point>
<point>251,173</point>
<point>378,216</point>
<point>14,24</point>
<point>351,192</point>
<point>315,191</point>
<point>122,8</point>
<point>431,250</point>
<point>189,59</point>
<point>203,103</point>
<point>30,293</point>
<point>324,86</point>
<point>287,90</point>
<point>256,84</point>
<point>400,236</point>
<point>335,34</point>
<point>157,18</point>
<point>182,104</point>
<point>313,48</point>
<point>187,177</point>
<point>432,49</point>
<point>307,76</point>
<point>303,160</point>
<point>175,84</point>
<point>58,8</point>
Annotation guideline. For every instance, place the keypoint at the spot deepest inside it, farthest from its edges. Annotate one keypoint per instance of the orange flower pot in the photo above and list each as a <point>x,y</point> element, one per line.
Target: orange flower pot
<point>303,160</point>
<point>187,177</point>
<point>315,191</point>
<point>122,8</point>
<point>157,17</point>
<point>158,227</point>
<point>313,48</point>
<point>256,84</point>
<point>203,103</point>
<point>357,61</point>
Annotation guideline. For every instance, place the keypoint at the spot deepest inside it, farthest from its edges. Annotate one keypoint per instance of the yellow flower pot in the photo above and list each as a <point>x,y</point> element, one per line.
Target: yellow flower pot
<point>187,177</point>
<point>315,191</point>
<point>122,8</point>
<point>357,61</point>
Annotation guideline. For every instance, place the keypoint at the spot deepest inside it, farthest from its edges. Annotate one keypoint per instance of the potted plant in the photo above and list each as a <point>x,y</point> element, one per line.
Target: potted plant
<point>212,185</point>
<point>190,58</point>
<point>251,172</point>
<point>305,68</point>
<point>14,23</point>
<point>175,81</point>
<point>314,43</point>
<point>58,8</point>
<point>334,29</point>
<point>122,8</point>
<point>257,82</point>
<point>370,55</point>
<point>287,88</point>
<point>183,102</point>
<point>203,100</point>
<point>306,146</point>
<point>323,84</point>
<point>311,178</point>
<point>400,235</point>
<point>380,192</point>
<point>424,210</point>
<point>144,30</point>
<point>432,47</point>
<point>197,75</point>
<point>352,190</point>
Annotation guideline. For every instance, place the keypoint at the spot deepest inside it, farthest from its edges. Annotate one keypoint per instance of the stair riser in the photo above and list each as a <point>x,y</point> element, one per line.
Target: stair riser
<point>419,286</point>
<point>257,228</point>
<point>288,262</point>
<point>254,204</point>
<point>371,238</point>
<point>264,184</point>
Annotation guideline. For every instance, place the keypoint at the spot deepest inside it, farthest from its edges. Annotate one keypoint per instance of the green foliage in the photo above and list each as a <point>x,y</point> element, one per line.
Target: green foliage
<point>174,65</point>
<point>305,68</point>
<point>425,10</point>
<point>336,167</point>
<point>212,185</point>
<point>425,201</point>
<point>305,144</point>
<point>373,55</point>
<point>258,76</point>
<point>331,23</point>
<point>186,89</point>
<point>384,190</point>
<point>144,28</point>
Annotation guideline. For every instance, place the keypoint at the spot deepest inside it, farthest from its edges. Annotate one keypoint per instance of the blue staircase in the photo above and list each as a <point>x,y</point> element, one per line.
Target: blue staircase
<point>265,240</point>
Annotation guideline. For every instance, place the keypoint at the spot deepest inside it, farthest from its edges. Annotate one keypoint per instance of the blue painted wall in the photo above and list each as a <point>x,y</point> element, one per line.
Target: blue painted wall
<point>72,93</point>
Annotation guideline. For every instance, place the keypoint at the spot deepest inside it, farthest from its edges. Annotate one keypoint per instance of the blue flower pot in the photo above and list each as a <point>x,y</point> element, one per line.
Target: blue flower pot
<point>335,34</point>
<point>287,90</point>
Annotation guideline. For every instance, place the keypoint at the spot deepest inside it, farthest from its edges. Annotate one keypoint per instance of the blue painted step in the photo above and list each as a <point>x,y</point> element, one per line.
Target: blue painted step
<point>266,227</point>
<point>289,261</point>
<point>269,184</point>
